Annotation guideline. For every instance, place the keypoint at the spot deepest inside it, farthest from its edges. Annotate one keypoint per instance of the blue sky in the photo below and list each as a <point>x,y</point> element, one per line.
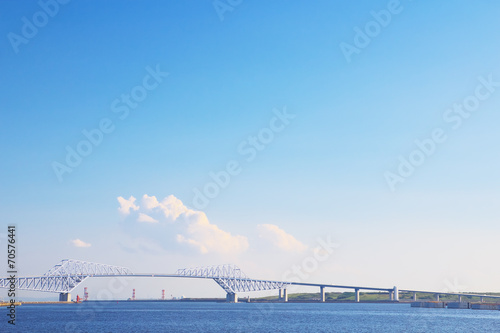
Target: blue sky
<point>322,175</point>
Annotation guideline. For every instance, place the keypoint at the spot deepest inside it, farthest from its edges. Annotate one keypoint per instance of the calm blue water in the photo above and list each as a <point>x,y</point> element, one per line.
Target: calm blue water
<point>246,317</point>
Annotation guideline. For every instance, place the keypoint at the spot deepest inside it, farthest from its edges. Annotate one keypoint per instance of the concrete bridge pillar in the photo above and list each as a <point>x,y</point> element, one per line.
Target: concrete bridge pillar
<point>437,297</point>
<point>396,294</point>
<point>414,296</point>
<point>391,295</point>
<point>460,298</point>
<point>322,293</point>
<point>280,294</point>
<point>356,295</point>
<point>285,295</point>
<point>231,298</point>
<point>64,297</point>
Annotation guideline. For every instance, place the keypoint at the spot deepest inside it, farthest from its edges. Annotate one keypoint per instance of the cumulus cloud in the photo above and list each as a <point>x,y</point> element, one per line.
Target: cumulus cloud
<point>146,218</point>
<point>280,238</point>
<point>171,207</point>
<point>207,237</point>
<point>191,228</point>
<point>79,243</point>
<point>126,205</point>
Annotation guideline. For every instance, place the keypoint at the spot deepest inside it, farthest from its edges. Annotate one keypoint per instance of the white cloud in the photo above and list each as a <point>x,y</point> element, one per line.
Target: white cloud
<point>207,237</point>
<point>126,205</point>
<point>190,227</point>
<point>171,207</point>
<point>199,246</point>
<point>146,218</point>
<point>79,243</point>
<point>279,238</point>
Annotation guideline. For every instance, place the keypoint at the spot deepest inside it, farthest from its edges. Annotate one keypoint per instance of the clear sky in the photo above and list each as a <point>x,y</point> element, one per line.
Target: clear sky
<point>371,125</point>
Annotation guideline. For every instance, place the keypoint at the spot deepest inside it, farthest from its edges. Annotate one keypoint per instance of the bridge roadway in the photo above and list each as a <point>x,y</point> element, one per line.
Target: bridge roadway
<point>282,291</point>
<point>393,292</point>
<point>69,273</point>
<point>437,294</point>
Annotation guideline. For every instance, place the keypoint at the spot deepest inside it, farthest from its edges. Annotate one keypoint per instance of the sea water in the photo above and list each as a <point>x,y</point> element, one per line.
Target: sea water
<point>130,316</point>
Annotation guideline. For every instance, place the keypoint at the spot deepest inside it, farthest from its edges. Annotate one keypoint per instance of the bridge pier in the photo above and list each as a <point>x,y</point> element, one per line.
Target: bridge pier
<point>437,297</point>
<point>280,294</point>
<point>64,297</point>
<point>322,293</point>
<point>460,298</point>
<point>285,295</point>
<point>391,295</point>
<point>231,298</point>
<point>356,295</point>
<point>414,296</point>
<point>396,294</point>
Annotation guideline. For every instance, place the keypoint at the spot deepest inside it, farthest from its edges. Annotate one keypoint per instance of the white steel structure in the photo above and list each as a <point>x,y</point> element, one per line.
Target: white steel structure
<point>69,273</point>
<point>231,278</point>
<point>64,276</point>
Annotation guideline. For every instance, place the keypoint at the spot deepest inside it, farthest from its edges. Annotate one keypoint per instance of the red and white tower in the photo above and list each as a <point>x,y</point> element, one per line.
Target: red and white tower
<point>163,294</point>
<point>133,294</point>
<point>85,294</point>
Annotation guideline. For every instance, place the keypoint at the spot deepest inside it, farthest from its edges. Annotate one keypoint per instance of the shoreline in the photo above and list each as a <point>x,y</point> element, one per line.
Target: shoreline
<point>198,300</point>
<point>219,300</point>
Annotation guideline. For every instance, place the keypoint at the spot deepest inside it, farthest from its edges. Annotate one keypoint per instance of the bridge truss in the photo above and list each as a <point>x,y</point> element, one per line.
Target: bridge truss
<point>64,276</point>
<point>231,278</point>
<point>69,273</point>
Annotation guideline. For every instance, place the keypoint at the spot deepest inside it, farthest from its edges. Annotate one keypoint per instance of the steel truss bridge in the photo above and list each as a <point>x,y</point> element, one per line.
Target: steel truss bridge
<point>69,273</point>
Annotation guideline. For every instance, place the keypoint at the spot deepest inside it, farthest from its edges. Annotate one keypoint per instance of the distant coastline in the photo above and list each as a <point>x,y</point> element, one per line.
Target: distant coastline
<point>333,297</point>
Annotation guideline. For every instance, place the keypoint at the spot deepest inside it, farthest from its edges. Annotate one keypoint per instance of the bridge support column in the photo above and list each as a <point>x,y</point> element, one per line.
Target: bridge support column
<point>64,297</point>
<point>280,294</point>
<point>414,296</point>
<point>285,295</point>
<point>396,294</point>
<point>391,295</point>
<point>460,298</point>
<point>231,298</point>
<point>322,294</point>
<point>356,295</point>
<point>437,297</point>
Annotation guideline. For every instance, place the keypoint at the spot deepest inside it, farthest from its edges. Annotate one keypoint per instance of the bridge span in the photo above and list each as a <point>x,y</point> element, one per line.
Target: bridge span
<point>69,273</point>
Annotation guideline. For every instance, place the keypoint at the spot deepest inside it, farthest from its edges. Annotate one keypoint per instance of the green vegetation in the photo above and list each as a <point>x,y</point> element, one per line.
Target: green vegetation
<point>374,297</point>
